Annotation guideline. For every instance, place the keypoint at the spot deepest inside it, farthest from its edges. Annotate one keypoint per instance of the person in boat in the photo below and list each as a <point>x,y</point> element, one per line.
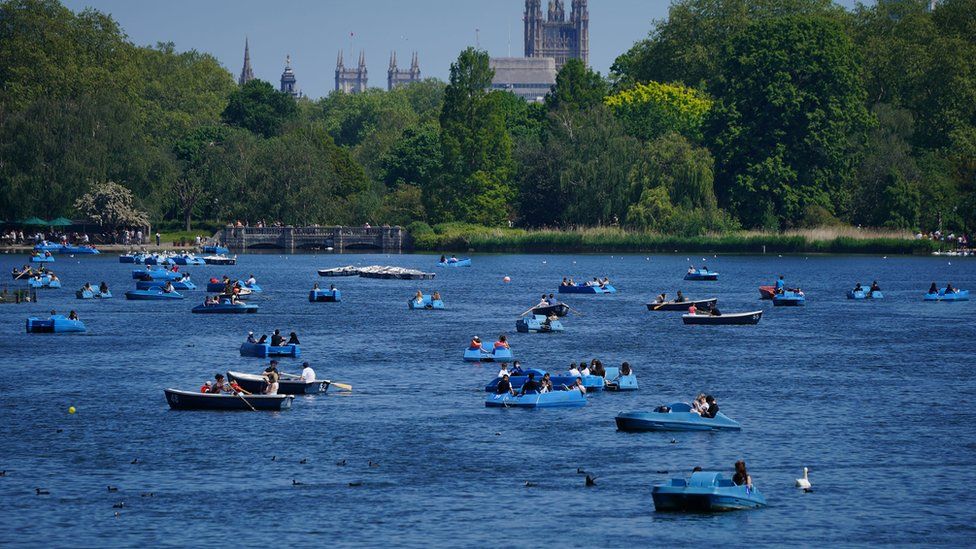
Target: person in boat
<point>504,386</point>
<point>292,339</point>
<point>55,277</point>
<point>332,289</point>
<point>573,370</point>
<point>315,286</point>
<point>277,339</point>
<point>545,386</point>
<point>625,369</point>
<point>691,269</point>
<point>453,259</point>
<point>933,289</point>
<point>214,280</point>
<point>263,340</point>
<point>234,387</point>
<point>693,310</point>
<point>571,283</point>
<point>436,296</point>
<point>542,302</point>
<point>530,386</point>
<point>308,374</point>
<point>699,406</point>
<point>713,311</point>
<point>503,371</point>
<point>680,298</point>
<point>874,287</point>
<point>606,281</point>
<point>948,289</point>
<point>597,369</point>
<point>168,287</point>
<point>475,342</point>
<point>741,476</point>
<point>103,288</point>
<point>584,370</point>
<point>547,325</point>
<point>578,386</point>
<point>251,281</point>
<point>250,338</point>
<point>175,268</point>
<point>780,285</point>
<point>858,288</point>
<point>517,368</point>
<point>419,297</point>
<point>551,300</point>
<point>205,388</point>
<point>704,268</point>
<point>565,282</point>
<point>87,287</point>
<point>443,259</point>
<point>233,299</point>
<point>271,377</point>
<point>661,298</point>
<point>712,410</point>
<point>219,385</point>
<point>72,315</point>
<point>502,342</point>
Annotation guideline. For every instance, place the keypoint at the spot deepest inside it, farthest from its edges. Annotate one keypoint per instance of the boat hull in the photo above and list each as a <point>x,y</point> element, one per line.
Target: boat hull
<point>152,294</point>
<point>638,422</point>
<point>325,296</point>
<point>705,492</point>
<point>265,350</point>
<point>789,299</point>
<point>961,295</point>
<point>225,309</point>
<point>583,289</point>
<point>862,294</point>
<point>735,319</point>
<point>484,355</point>
<point>538,324</point>
<point>615,381</point>
<point>767,292</point>
<point>255,384</point>
<point>181,285</point>
<point>682,305</point>
<point>42,259</point>
<point>155,274</point>
<point>466,262</point>
<point>188,400</point>
<point>425,303</point>
<point>57,324</point>
<point>700,275</point>
<point>92,294</point>
<point>559,309</point>
<point>559,382</point>
<point>554,399</point>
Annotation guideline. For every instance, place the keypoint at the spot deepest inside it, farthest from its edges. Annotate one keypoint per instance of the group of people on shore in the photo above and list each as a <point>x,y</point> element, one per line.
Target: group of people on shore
<point>277,340</point>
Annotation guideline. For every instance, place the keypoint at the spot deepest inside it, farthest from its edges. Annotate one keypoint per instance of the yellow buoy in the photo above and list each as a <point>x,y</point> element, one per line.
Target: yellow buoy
<point>71,409</point>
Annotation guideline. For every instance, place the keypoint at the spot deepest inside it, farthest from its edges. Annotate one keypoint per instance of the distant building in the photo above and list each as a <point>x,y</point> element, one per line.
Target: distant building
<point>246,73</point>
<point>351,80</point>
<point>396,78</point>
<point>555,37</point>
<point>530,78</point>
<point>289,84</point>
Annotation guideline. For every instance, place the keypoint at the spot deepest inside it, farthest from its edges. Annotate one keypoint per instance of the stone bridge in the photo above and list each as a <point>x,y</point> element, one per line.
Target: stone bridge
<point>339,238</point>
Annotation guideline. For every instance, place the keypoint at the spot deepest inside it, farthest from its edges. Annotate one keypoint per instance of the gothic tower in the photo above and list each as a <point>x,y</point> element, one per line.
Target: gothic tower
<point>396,77</point>
<point>288,82</point>
<point>246,73</point>
<point>351,80</point>
<point>555,36</point>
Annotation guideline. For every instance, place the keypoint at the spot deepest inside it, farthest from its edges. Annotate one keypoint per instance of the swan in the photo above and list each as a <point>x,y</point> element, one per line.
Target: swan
<point>805,481</point>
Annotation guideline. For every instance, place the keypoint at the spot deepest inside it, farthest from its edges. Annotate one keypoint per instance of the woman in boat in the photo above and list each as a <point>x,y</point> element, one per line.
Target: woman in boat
<point>475,341</point>
<point>292,339</point>
<point>741,476</point>
<point>504,386</point>
<point>584,369</point>
<point>625,369</point>
<point>693,310</point>
<point>419,297</point>
<point>263,340</point>
<point>436,296</point>
<point>699,406</point>
<point>502,342</point>
<point>597,369</point>
<point>251,281</point>
<point>578,386</point>
<point>219,386</point>
<point>87,287</point>
<point>712,410</point>
<point>453,259</point>
<point>250,338</point>
<point>168,288</point>
<point>443,259</point>
<point>103,288</point>
<point>545,386</point>
<point>875,287</point>
<point>933,289</point>
<point>948,290</point>
<point>661,298</point>
<point>271,376</point>
<point>72,316</point>
<point>542,302</point>
<point>315,286</point>
<point>517,368</point>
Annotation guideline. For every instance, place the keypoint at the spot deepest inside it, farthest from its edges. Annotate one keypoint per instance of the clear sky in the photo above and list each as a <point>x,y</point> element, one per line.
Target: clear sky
<point>313,31</point>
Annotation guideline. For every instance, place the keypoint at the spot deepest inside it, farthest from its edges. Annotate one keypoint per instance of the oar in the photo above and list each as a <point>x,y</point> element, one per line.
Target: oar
<point>659,305</point>
<point>527,310</point>
<point>343,386</point>
<point>240,396</point>
<point>575,312</point>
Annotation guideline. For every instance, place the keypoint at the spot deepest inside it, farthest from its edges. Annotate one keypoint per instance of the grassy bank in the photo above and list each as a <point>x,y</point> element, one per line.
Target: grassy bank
<point>457,237</point>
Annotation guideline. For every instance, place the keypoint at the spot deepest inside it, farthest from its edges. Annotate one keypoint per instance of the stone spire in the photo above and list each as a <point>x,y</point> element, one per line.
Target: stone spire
<point>289,84</point>
<point>247,74</point>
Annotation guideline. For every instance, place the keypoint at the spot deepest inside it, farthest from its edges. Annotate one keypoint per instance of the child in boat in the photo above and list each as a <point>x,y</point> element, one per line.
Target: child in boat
<point>475,341</point>
<point>502,342</point>
<point>205,388</point>
<point>545,386</point>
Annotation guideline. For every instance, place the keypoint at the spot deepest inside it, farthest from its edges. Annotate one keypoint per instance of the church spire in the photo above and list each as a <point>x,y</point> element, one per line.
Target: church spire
<point>247,74</point>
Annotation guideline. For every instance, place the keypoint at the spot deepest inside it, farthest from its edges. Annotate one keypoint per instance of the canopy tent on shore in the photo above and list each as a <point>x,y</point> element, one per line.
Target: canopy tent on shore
<point>60,222</point>
<point>34,221</point>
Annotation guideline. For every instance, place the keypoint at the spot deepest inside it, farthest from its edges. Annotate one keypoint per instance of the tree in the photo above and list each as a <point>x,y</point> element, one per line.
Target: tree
<point>415,158</point>
<point>258,107</point>
<point>475,184</point>
<point>109,204</point>
<point>201,169</point>
<point>577,87</point>
<point>791,119</point>
<point>887,157</point>
<point>653,109</point>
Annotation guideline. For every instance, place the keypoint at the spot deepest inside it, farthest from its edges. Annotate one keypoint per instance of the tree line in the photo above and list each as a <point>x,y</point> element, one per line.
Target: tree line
<point>770,114</point>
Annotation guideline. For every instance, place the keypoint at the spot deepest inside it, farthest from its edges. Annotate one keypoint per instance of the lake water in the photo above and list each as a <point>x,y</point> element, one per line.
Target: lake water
<point>875,397</point>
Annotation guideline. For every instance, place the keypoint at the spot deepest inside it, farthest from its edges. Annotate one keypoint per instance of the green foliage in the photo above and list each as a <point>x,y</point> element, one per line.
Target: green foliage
<point>788,126</point>
<point>654,109</point>
<point>577,87</point>
<point>258,107</point>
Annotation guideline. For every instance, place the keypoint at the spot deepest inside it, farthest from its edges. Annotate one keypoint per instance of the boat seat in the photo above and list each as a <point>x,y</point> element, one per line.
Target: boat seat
<point>680,407</point>
<point>680,482</point>
<point>705,479</point>
<point>725,483</point>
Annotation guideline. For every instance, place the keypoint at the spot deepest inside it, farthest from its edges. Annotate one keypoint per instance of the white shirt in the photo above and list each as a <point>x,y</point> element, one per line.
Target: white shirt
<point>585,372</point>
<point>308,374</point>
<point>251,281</point>
<point>502,372</point>
<point>574,372</point>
